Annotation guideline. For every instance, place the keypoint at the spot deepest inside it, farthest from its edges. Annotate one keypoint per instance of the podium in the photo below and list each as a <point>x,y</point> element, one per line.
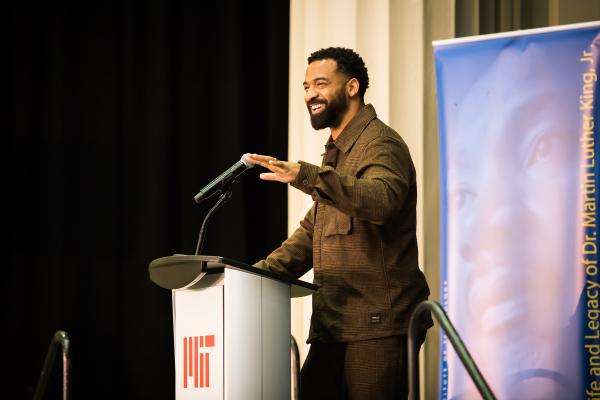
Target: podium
<point>231,326</point>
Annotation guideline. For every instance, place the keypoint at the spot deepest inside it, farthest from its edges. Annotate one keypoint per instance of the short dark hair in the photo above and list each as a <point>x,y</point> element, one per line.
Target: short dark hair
<point>348,62</point>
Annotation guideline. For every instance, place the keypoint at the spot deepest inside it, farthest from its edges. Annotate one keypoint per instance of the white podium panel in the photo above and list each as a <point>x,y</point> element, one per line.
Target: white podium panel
<point>276,352</point>
<point>257,345</point>
<point>198,335</point>
<point>243,344</point>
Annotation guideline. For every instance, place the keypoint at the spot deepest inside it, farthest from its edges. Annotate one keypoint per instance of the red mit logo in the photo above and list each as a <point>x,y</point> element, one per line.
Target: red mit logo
<point>197,364</point>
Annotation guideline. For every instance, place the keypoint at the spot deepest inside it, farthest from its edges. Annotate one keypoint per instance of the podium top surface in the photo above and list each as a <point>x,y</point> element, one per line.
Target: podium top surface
<point>181,271</point>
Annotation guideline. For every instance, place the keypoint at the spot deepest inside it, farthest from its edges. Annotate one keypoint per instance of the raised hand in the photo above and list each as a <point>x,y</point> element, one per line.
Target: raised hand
<point>281,171</point>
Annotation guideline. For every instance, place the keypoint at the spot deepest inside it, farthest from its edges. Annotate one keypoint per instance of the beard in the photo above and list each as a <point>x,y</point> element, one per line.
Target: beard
<point>334,111</point>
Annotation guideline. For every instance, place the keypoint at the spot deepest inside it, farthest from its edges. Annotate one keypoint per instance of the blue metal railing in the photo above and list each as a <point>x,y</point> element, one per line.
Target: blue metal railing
<point>413,354</point>
<point>295,369</point>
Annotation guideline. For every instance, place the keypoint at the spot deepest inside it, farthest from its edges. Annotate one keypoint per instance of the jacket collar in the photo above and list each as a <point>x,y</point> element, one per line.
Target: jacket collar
<point>354,128</point>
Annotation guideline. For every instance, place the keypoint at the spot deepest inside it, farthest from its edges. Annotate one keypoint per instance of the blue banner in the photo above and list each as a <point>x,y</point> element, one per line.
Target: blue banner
<point>518,125</point>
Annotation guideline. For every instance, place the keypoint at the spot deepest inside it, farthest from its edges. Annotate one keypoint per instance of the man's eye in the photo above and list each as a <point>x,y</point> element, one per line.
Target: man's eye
<point>548,148</point>
<point>541,150</point>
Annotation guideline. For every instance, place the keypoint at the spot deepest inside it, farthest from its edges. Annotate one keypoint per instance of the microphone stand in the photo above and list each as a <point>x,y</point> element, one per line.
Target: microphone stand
<point>223,197</point>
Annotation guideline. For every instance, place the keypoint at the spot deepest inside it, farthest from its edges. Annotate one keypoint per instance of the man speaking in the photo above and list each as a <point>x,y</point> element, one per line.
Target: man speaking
<point>359,237</point>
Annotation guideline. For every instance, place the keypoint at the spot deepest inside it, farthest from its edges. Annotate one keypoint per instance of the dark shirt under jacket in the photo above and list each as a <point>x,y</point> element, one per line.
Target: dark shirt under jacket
<point>359,236</point>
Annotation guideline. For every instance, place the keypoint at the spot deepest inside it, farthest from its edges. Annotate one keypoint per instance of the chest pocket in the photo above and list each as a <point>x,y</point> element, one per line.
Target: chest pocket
<point>335,222</point>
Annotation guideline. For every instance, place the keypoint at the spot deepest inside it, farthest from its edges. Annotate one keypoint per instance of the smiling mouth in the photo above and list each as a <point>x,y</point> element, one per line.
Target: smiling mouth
<point>316,108</point>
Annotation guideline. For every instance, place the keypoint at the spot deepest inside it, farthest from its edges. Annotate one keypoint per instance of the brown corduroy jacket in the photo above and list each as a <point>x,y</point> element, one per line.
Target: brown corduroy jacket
<point>359,236</point>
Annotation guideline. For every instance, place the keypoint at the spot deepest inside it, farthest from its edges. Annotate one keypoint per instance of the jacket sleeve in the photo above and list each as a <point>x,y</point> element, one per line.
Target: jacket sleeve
<point>384,176</point>
<point>294,257</point>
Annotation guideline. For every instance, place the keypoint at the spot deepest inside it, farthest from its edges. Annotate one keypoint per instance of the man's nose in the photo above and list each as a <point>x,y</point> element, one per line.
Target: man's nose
<point>309,94</point>
<point>499,224</point>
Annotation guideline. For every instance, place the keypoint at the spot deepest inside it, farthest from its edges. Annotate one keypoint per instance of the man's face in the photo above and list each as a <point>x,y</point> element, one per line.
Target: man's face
<point>325,94</point>
<point>513,177</point>
<point>513,183</point>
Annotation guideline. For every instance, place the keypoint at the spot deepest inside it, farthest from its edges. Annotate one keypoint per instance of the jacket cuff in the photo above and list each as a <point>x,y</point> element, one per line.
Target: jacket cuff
<point>306,178</point>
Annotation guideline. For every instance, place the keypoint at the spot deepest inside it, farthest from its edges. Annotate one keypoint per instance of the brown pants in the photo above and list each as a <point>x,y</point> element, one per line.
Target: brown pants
<point>367,369</point>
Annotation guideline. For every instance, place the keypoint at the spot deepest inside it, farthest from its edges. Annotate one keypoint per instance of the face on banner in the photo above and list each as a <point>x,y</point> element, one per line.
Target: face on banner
<point>512,194</point>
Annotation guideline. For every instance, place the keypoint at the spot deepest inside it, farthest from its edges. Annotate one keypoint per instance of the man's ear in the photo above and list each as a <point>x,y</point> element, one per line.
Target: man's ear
<point>352,87</point>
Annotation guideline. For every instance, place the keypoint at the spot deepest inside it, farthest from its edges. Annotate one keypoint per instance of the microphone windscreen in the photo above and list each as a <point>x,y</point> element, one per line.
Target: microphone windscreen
<point>246,161</point>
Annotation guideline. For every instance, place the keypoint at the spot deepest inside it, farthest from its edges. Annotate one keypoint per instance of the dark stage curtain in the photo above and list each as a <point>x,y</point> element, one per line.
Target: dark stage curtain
<point>119,112</point>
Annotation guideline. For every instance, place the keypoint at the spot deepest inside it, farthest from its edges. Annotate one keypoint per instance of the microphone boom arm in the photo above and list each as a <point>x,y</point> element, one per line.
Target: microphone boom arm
<point>222,200</point>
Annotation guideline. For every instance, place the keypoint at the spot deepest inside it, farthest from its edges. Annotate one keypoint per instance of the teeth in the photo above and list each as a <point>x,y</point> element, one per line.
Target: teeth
<point>315,107</point>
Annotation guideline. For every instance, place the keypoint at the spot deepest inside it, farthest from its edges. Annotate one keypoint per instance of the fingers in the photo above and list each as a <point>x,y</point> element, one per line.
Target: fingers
<point>266,161</point>
<point>269,176</point>
<point>281,171</point>
<point>278,166</point>
<point>260,159</point>
<point>276,174</point>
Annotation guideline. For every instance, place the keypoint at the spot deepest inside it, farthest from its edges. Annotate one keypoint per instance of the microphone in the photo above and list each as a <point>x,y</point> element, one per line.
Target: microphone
<point>225,179</point>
